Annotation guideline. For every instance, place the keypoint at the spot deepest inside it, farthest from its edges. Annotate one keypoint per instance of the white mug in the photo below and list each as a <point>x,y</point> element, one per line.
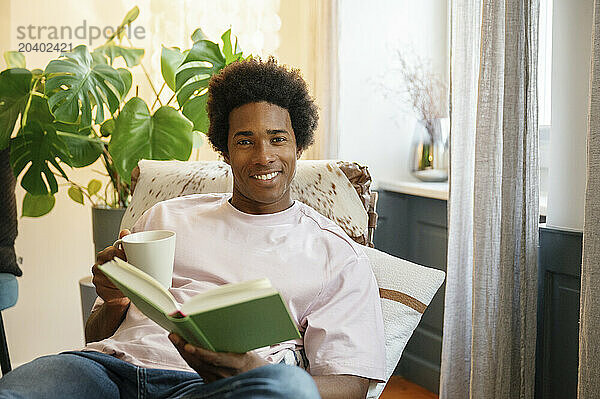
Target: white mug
<point>153,252</point>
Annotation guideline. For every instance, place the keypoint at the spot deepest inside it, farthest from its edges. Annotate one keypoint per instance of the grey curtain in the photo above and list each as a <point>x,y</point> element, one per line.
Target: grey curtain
<point>488,346</point>
<point>589,332</point>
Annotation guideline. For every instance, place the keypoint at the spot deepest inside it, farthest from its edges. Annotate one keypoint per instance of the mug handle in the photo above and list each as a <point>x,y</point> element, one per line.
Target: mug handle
<point>118,243</point>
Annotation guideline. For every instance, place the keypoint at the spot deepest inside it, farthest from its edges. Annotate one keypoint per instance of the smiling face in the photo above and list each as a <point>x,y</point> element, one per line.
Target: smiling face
<point>262,153</point>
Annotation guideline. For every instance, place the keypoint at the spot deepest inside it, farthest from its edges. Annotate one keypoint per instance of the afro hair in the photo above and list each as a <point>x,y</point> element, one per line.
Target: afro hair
<point>254,80</point>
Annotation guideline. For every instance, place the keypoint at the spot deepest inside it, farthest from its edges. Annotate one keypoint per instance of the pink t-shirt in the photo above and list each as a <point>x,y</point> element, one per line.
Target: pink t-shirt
<point>323,276</point>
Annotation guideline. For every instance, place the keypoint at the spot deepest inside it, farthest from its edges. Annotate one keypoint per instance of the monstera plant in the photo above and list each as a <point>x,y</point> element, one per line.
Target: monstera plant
<point>77,110</point>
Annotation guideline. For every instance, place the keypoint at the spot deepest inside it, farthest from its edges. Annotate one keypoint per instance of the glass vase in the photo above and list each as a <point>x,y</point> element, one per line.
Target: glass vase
<point>429,156</point>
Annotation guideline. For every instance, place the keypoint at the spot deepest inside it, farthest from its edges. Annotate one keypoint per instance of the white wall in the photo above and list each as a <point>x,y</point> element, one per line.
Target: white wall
<point>376,130</point>
<point>571,49</point>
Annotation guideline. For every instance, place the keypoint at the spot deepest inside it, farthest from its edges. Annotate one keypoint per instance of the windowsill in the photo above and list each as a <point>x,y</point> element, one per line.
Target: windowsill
<point>431,190</point>
<point>416,188</point>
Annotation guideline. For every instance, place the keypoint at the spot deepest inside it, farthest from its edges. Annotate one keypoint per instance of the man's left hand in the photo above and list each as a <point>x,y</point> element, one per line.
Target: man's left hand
<point>212,366</point>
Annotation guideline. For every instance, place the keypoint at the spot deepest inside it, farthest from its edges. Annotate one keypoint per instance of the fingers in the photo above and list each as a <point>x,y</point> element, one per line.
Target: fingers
<point>188,356</point>
<point>104,287</point>
<point>214,358</point>
<point>109,253</point>
<point>100,279</point>
<point>208,364</point>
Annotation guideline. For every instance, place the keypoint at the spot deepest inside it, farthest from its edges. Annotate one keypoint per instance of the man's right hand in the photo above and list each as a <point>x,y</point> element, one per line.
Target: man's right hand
<point>105,320</point>
<point>104,287</point>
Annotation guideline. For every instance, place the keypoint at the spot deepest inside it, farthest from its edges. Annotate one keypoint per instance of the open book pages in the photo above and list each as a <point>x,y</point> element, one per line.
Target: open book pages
<point>228,294</point>
<point>222,296</point>
<point>138,281</point>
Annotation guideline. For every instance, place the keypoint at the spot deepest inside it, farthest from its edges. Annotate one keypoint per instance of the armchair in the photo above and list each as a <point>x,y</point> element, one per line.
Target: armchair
<point>338,190</point>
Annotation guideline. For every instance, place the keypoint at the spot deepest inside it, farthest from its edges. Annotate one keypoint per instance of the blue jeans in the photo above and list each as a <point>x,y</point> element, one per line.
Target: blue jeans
<point>93,375</point>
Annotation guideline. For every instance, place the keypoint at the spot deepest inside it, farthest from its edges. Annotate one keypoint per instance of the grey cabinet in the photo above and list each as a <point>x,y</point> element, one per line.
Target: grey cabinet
<point>415,228</point>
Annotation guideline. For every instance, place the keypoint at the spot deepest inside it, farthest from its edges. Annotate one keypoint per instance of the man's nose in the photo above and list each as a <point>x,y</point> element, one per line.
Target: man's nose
<point>263,153</point>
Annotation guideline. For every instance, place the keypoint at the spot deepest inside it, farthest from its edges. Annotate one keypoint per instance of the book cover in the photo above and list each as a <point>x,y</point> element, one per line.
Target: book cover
<point>235,317</point>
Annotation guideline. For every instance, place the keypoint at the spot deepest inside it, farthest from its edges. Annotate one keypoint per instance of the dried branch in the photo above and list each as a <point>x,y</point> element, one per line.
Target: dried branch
<point>426,90</point>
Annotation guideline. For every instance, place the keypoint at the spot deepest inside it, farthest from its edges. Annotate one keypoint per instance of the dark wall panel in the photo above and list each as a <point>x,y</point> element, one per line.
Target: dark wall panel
<point>559,280</point>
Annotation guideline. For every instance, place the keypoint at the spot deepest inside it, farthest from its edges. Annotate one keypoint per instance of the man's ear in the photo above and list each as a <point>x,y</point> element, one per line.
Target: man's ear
<point>226,158</point>
<point>298,153</point>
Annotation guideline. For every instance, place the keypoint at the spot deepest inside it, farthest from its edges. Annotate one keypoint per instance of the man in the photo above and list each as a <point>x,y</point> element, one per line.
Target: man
<point>261,118</point>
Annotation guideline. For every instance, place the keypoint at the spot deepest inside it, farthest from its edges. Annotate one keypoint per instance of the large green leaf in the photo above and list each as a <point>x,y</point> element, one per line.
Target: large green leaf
<point>15,85</point>
<point>37,205</point>
<point>127,80</point>
<point>82,144</point>
<point>193,75</point>
<point>83,147</point>
<point>99,58</point>
<point>137,135</point>
<point>37,146</point>
<point>14,59</point>
<point>195,110</point>
<point>72,82</point>
<point>194,86</point>
<point>170,59</point>
<point>39,111</point>
<point>129,18</point>
<point>230,54</point>
<point>132,56</point>
<point>198,35</point>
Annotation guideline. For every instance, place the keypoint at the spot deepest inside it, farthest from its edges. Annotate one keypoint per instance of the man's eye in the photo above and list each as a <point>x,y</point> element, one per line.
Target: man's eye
<point>279,139</point>
<point>244,142</point>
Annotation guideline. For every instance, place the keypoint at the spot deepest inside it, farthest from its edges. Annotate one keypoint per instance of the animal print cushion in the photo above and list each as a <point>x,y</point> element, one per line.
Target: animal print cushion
<point>319,184</point>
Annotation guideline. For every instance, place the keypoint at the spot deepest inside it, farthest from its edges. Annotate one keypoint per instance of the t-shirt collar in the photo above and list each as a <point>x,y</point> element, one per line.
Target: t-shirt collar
<point>266,218</point>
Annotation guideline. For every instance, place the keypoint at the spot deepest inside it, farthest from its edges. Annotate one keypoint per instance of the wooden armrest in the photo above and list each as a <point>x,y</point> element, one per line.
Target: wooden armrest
<point>360,178</point>
<point>135,175</point>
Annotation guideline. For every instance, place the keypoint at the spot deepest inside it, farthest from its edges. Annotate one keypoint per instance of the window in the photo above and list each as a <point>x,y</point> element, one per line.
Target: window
<point>544,95</point>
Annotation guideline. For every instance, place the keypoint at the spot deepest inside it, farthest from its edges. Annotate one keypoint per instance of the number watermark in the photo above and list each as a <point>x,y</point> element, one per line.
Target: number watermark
<point>44,47</point>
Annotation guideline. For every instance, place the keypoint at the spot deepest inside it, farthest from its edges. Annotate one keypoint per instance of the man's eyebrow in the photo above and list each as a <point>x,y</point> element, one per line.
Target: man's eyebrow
<point>248,133</point>
<point>277,131</point>
<point>245,133</point>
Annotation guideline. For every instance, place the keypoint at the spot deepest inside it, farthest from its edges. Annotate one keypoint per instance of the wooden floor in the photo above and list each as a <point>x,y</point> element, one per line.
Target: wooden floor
<point>399,388</point>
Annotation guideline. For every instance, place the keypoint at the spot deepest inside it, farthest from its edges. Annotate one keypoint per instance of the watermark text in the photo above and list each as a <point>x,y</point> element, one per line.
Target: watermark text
<point>84,31</point>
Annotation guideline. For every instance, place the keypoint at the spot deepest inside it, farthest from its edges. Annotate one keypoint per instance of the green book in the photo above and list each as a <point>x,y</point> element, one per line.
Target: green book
<point>236,317</point>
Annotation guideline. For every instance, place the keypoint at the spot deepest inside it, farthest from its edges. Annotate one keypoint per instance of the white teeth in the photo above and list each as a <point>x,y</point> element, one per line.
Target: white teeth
<point>265,177</point>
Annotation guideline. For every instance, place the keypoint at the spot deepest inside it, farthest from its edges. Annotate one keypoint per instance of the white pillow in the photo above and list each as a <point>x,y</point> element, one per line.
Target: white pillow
<point>406,289</point>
